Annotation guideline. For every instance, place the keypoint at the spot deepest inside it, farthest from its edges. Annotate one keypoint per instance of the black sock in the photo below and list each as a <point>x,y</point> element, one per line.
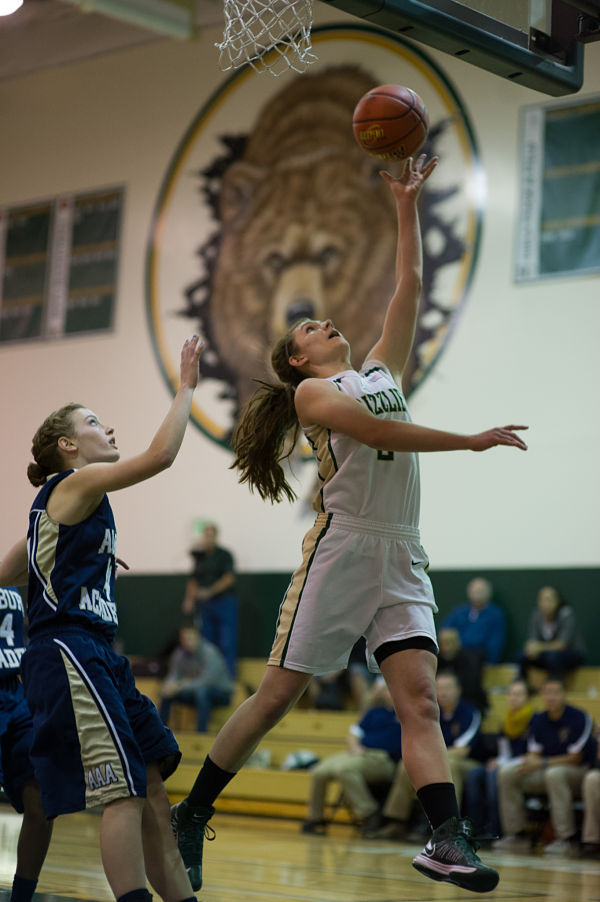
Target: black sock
<point>136,895</point>
<point>439,802</point>
<point>210,783</point>
<point>22,889</point>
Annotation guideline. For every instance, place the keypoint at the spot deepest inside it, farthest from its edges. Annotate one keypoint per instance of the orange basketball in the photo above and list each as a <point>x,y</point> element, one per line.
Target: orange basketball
<point>390,122</point>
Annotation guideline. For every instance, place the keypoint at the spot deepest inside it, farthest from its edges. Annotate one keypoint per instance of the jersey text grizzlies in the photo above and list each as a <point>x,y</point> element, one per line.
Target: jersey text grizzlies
<point>359,481</point>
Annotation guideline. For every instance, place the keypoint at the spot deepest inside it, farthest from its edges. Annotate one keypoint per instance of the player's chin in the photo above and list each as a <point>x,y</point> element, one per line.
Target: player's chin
<point>114,455</point>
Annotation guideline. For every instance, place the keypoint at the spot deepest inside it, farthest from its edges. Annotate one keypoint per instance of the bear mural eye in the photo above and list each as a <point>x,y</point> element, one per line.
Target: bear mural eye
<point>275,263</point>
<point>330,258</point>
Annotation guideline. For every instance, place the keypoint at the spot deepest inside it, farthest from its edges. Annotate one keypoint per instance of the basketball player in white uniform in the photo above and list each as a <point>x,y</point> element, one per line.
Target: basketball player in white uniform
<point>363,570</point>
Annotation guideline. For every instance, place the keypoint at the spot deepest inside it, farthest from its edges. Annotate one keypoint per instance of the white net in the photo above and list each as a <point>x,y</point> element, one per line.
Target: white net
<point>271,35</point>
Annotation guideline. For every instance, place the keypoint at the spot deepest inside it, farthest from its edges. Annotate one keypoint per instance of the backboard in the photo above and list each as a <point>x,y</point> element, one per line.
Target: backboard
<point>536,43</point>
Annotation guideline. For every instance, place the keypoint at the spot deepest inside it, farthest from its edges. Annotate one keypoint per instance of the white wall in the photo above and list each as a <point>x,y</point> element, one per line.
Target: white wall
<point>520,354</point>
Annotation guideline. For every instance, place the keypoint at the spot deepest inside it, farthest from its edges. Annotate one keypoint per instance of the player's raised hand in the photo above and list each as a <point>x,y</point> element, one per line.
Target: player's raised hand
<point>190,355</point>
<point>413,176</point>
<point>501,435</point>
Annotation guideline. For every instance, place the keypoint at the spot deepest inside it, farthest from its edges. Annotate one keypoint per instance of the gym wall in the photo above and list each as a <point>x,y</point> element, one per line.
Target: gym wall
<point>518,353</point>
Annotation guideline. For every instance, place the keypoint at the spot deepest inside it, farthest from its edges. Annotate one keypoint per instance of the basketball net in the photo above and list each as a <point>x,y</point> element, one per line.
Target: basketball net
<point>271,35</point>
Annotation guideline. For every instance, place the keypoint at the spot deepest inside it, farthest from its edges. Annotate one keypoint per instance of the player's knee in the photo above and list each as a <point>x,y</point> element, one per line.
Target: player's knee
<point>420,706</point>
<point>32,800</point>
<point>269,708</point>
<point>274,698</point>
<point>555,777</point>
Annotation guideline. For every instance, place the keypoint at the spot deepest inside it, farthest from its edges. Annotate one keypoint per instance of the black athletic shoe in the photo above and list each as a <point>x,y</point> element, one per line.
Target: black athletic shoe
<point>190,826</point>
<point>450,856</point>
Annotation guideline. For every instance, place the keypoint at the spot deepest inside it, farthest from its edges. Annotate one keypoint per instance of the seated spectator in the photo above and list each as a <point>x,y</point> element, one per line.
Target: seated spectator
<point>553,643</point>
<point>197,676</point>
<point>480,623</point>
<point>360,678</point>
<point>374,747</point>
<point>481,784</point>
<point>328,692</point>
<point>590,791</point>
<point>465,664</point>
<point>344,689</point>
<point>460,723</point>
<point>555,763</point>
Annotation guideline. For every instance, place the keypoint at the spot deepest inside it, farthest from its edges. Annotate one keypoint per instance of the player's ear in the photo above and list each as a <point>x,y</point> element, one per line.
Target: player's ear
<point>66,444</point>
<point>297,360</point>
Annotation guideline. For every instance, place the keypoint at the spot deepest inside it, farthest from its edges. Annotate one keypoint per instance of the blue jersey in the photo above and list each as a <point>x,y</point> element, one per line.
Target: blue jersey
<point>12,637</point>
<point>461,728</point>
<point>570,733</point>
<point>71,569</point>
<point>380,729</point>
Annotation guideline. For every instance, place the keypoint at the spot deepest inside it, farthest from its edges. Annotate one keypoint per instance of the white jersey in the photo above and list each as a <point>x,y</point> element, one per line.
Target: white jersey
<point>357,480</point>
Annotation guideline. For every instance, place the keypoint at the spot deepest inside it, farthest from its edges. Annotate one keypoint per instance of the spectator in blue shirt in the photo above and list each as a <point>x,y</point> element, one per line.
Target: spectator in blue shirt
<point>460,722</point>
<point>480,622</point>
<point>557,756</point>
<point>374,748</point>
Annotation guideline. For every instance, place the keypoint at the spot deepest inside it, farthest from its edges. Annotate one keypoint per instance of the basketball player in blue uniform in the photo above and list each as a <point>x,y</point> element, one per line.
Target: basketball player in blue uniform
<point>16,770</point>
<point>96,741</point>
<point>364,569</point>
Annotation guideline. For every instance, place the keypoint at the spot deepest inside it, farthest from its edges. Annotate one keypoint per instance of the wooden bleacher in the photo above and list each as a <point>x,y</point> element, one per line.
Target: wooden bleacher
<point>272,791</point>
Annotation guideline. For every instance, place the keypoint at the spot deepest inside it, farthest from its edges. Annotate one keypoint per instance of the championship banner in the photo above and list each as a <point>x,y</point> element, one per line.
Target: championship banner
<point>59,264</point>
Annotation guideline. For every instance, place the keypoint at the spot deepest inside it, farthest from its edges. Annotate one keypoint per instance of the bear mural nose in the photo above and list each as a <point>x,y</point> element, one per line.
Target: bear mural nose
<point>303,308</point>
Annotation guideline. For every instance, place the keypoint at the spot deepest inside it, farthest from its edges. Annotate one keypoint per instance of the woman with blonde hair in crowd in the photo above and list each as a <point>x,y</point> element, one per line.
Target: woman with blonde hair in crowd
<point>481,784</point>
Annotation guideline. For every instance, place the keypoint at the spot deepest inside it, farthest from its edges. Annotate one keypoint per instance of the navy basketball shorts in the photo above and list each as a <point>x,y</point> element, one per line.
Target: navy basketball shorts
<point>93,732</point>
<point>357,578</point>
<point>16,734</point>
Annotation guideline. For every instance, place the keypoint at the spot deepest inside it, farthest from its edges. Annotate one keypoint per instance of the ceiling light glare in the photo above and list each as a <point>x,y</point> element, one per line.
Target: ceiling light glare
<point>7,7</point>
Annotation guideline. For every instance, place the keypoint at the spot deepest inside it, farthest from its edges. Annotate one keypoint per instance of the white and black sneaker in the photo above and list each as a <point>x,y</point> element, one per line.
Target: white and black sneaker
<point>450,856</point>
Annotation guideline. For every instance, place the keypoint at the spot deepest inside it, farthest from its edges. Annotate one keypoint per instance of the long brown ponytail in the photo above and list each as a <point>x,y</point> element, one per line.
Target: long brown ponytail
<point>261,439</point>
<point>44,448</point>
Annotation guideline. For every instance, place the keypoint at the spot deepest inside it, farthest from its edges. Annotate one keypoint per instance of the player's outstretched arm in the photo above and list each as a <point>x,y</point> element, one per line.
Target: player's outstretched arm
<point>394,346</point>
<point>13,566</point>
<point>319,402</point>
<point>77,495</point>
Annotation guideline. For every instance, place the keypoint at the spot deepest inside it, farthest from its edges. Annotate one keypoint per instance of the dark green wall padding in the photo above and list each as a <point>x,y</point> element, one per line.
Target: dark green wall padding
<point>150,606</point>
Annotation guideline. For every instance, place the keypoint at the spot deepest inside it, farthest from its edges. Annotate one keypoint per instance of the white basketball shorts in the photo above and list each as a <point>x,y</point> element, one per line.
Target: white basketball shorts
<point>357,577</point>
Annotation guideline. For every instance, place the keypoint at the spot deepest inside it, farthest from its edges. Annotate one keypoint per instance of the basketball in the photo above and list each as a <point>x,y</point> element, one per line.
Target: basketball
<point>390,122</point>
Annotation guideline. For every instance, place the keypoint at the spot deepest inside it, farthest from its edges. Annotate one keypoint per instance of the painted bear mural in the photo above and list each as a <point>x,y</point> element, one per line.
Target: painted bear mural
<point>306,227</point>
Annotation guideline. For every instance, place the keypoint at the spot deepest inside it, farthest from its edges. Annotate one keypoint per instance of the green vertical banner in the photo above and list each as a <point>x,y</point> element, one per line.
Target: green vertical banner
<point>558,232</point>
